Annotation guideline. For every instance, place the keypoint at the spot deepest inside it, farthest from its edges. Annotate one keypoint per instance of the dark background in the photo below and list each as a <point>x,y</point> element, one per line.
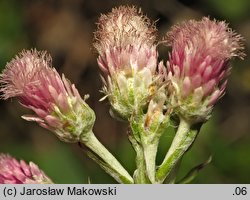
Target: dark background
<point>65,29</point>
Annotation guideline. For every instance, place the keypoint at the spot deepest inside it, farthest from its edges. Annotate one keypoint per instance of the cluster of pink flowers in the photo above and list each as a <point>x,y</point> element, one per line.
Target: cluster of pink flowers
<point>196,71</point>
<point>56,103</point>
<point>126,43</point>
<point>15,172</point>
<point>140,89</point>
<point>199,64</point>
<point>125,40</point>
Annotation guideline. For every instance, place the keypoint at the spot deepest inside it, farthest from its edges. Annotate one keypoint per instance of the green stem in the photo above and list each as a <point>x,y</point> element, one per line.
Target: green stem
<point>171,178</point>
<point>140,175</point>
<point>105,159</point>
<point>184,138</point>
<point>145,137</point>
<point>150,151</point>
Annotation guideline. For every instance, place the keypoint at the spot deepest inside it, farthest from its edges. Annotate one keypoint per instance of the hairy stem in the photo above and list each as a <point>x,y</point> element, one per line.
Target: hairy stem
<point>97,152</point>
<point>183,139</point>
<point>150,151</point>
<point>140,175</point>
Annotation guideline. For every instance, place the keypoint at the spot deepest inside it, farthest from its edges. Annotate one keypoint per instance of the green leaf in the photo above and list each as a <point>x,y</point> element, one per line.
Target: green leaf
<point>194,172</point>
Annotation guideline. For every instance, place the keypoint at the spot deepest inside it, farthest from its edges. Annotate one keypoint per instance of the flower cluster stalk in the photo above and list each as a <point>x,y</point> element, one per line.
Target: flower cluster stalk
<point>140,174</point>
<point>97,152</point>
<point>184,138</point>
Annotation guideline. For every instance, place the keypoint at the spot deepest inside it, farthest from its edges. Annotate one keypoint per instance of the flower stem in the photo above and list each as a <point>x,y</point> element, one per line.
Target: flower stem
<point>150,151</point>
<point>140,175</point>
<point>97,152</point>
<point>183,139</point>
<point>144,136</point>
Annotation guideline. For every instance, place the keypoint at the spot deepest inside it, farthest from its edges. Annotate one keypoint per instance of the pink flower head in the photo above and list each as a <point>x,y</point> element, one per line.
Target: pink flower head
<point>15,172</point>
<point>125,40</point>
<point>56,103</point>
<point>199,65</point>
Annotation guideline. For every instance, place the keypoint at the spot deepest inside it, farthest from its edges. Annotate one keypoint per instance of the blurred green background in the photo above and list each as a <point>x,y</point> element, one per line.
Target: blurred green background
<point>65,29</point>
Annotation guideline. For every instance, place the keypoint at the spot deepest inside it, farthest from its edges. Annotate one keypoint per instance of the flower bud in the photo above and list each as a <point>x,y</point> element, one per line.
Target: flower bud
<point>55,101</point>
<point>125,41</point>
<point>15,172</point>
<point>199,66</point>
